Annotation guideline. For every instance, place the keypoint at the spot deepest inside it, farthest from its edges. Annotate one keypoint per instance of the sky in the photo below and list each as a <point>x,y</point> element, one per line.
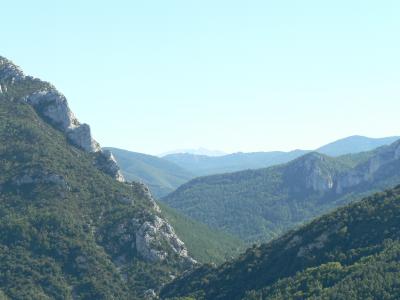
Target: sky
<point>151,76</point>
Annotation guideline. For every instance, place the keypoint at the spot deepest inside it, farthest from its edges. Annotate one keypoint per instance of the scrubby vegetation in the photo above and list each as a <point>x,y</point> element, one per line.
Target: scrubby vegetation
<point>352,253</point>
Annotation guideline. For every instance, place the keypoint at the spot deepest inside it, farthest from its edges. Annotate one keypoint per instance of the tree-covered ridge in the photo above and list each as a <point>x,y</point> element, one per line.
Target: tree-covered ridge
<point>261,204</point>
<point>373,277</point>
<point>67,229</point>
<point>330,258</point>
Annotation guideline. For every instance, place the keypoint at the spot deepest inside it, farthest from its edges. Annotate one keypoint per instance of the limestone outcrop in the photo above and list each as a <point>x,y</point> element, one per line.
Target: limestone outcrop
<point>366,172</point>
<point>151,236</point>
<point>53,107</point>
<point>313,173</point>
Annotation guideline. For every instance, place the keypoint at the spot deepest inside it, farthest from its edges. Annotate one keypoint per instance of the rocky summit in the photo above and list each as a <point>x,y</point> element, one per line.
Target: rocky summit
<point>68,218</point>
<point>53,107</point>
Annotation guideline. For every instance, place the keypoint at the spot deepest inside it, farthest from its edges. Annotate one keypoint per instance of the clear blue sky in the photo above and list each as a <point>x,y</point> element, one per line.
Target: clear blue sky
<point>152,76</point>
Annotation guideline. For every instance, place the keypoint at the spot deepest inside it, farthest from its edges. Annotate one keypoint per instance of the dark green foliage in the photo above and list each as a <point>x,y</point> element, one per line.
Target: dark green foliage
<point>206,245</point>
<point>59,215</point>
<point>352,253</point>
<point>161,175</point>
<point>373,277</point>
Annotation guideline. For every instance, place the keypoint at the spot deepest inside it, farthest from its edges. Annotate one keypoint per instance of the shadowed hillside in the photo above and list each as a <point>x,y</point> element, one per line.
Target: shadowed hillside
<point>352,253</point>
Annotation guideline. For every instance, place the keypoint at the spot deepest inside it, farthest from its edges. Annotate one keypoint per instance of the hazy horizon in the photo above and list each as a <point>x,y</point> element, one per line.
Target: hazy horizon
<point>216,152</point>
<point>223,75</point>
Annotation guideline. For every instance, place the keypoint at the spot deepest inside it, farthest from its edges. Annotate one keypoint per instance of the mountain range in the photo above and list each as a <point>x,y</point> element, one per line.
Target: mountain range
<point>198,151</point>
<point>202,165</point>
<point>73,225</point>
<point>164,174</point>
<point>261,204</point>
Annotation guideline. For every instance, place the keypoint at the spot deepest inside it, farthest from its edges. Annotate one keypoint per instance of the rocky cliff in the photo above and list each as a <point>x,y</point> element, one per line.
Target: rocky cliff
<point>370,170</point>
<point>313,171</point>
<point>77,233</point>
<point>320,178</point>
<point>53,107</point>
<point>320,173</point>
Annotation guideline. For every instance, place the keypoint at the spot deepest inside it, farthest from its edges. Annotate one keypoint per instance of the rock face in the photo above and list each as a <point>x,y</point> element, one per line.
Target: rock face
<point>154,238</point>
<point>318,178</point>
<point>110,165</point>
<point>319,181</point>
<point>367,171</point>
<point>312,171</point>
<point>81,137</point>
<point>152,234</point>
<point>151,238</point>
<point>53,107</point>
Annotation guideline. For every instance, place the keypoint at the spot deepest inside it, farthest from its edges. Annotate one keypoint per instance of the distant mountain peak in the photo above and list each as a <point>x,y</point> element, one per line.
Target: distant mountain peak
<point>198,151</point>
<point>355,144</point>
